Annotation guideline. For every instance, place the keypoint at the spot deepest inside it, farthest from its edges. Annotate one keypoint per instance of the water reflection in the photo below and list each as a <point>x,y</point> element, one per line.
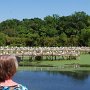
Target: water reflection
<point>79,75</point>
<point>79,80</point>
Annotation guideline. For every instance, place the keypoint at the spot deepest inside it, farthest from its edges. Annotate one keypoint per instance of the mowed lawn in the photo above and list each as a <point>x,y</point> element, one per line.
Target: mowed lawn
<point>66,64</point>
<point>83,60</point>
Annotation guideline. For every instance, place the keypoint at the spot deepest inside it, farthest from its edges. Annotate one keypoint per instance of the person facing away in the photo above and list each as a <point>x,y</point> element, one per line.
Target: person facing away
<point>8,67</point>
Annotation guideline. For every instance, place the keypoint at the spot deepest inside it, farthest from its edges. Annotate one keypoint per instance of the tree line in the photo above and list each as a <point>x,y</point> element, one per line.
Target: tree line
<point>55,30</point>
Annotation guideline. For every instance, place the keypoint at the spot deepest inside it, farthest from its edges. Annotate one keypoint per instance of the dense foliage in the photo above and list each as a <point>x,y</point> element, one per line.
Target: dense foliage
<point>55,30</point>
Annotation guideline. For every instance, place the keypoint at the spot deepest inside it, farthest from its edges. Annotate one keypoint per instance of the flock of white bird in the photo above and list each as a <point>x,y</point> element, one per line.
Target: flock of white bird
<point>44,51</point>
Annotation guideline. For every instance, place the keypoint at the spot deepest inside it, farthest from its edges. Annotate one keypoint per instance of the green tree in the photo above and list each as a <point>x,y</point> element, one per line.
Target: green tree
<point>85,37</point>
<point>2,39</point>
<point>63,39</point>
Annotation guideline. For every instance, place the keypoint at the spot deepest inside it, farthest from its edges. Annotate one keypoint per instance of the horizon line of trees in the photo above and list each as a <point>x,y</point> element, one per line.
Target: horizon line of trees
<point>55,30</point>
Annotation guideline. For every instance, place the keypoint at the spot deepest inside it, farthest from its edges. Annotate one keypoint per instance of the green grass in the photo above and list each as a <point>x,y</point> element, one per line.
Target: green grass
<point>84,59</point>
<point>60,65</point>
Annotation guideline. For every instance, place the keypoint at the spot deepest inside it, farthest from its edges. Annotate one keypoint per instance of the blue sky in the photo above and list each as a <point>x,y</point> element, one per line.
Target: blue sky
<point>20,9</point>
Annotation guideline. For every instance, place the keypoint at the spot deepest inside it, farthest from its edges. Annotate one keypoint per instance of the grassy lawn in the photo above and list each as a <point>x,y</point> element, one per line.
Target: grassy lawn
<point>60,65</point>
<point>84,59</point>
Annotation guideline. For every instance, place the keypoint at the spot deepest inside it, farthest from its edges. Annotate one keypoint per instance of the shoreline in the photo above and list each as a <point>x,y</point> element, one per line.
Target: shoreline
<point>83,64</point>
<point>54,69</point>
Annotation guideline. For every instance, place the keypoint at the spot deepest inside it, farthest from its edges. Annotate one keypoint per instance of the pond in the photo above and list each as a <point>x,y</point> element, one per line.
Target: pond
<point>54,80</point>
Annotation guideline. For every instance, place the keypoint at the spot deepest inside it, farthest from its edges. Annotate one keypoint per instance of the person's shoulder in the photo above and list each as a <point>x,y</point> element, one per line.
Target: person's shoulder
<point>20,87</point>
<point>17,87</point>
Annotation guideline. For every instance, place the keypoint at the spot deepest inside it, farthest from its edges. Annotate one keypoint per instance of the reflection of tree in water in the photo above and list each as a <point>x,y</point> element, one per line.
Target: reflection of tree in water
<point>79,75</point>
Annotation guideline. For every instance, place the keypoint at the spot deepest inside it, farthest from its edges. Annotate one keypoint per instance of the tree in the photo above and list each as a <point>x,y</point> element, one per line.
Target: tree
<point>73,40</point>
<point>2,39</point>
<point>81,20</point>
<point>51,21</point>
<point>85,37</point>
<point>63,39</point>
<point>53,30</point>
<point>33,39</point>
<point>49,41</point>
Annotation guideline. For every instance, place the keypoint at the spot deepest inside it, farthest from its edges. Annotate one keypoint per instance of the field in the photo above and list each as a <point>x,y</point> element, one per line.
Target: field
<point>83,63</point>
